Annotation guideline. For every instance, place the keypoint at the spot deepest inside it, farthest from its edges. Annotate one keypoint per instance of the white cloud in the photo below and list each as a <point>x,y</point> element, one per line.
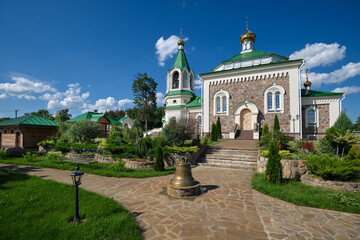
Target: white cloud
<point>23,87</point>
<point>124,102</point>
<point>347,90</point>
<point>3,96</point>
<point>166,49</point>
<point>160,98</point>
<point>197,84</point>
<point>320,54</point>
<point>103,105</point>
<point>345,72</point>
<point>71,98</point>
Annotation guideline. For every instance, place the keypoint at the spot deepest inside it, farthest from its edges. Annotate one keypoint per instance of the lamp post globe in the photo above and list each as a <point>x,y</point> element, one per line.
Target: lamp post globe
<point>76,176</point>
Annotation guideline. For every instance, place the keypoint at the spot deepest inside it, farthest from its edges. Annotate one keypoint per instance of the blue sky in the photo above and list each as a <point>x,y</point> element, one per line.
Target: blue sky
<point>83,55</point>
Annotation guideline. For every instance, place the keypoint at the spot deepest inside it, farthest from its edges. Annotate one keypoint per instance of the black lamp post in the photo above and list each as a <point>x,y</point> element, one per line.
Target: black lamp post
<point>76,177</point>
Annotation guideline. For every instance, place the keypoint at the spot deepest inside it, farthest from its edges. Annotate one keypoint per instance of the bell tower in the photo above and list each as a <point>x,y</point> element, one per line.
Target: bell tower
<point>179,85</point>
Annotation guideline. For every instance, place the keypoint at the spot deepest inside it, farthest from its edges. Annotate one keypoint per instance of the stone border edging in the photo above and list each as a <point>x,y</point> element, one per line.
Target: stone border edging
<point>136,164</point>
<point>335,185</point>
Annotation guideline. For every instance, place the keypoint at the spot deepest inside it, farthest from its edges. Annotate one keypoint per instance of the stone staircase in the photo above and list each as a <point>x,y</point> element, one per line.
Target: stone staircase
<point>220,157</point>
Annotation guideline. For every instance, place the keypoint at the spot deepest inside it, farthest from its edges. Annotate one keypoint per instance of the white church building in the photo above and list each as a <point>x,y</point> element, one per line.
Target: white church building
<point>247,91</point>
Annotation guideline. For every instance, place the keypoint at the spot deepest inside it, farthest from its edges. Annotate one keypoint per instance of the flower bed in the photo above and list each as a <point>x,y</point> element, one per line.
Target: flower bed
<point>138,164</point>
<point>336,185</point>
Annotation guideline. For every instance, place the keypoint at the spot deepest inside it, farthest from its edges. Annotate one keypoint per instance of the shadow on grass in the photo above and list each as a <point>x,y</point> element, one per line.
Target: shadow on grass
<point>9,176</point>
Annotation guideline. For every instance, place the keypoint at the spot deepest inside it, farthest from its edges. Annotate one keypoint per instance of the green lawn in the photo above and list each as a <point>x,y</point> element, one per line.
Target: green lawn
<point>33,208</point>
<point>103,169</point>
<point>304,195</point>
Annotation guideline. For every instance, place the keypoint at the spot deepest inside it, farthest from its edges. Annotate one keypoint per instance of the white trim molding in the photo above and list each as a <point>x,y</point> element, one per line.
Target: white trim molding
<point>273,90</point>
<point>221,94</point>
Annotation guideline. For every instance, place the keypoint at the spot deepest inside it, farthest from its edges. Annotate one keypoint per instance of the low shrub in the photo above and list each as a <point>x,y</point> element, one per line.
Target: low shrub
<point>309,146</point>
<point>54,157</point>
<point>47,144</point>
<point>192,149</point>
<point>332,168</point>
<point>2,154</point>
<point>62,146</point>
<point>31,156</point>
<point>284,154</point>
<point>205,140</point>
<point>119,165</point>
<point>353,153</point>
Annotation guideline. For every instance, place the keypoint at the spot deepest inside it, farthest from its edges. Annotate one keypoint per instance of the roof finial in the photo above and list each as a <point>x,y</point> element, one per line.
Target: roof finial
<point>181,42</point>
<point>247,23</point>
<point>307,83</point>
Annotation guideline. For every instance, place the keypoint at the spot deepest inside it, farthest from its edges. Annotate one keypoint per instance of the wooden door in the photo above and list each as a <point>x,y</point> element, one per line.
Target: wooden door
<point>245,120</point>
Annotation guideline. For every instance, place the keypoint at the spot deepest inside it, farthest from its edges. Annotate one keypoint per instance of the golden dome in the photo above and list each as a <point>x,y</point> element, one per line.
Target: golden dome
<point>181,42</point>
<point>248,35</point>
<point>307,83</point>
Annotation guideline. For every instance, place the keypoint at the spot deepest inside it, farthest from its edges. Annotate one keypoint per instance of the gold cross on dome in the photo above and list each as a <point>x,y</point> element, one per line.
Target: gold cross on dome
<point>181,33</point>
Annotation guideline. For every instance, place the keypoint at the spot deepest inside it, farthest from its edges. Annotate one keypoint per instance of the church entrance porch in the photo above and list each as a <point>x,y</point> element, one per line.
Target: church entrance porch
<point>246,121</point>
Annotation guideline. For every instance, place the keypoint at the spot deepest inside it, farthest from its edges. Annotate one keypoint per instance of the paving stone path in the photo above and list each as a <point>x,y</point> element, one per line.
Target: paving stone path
<point>229,208</point>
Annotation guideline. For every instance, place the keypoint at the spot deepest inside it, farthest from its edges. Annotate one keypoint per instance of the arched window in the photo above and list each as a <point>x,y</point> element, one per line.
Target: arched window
<point>185,80</point>
<point>218,105</point>
<point>277,100</point>
<point>274,99</point>
<point>269,101</point>
<point>199,121</point>
<point>224,102</point>
<point>175,80</point>
<point>311,116</point>
<point>221,102</point>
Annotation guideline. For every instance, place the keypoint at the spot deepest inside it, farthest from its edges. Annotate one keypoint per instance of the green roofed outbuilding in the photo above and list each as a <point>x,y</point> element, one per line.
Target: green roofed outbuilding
<point>26,131</point>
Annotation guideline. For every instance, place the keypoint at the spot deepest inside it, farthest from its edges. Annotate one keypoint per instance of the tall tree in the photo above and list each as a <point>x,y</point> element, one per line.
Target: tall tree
<point>357,124</point>
<point>62,115</point>
<point>343,122</point>
<point>41,113</point>
<point>144,90</point>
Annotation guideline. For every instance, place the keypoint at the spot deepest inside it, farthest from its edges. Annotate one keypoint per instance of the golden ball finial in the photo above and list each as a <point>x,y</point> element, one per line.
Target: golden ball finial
<point>181,41</point>
<point>248,35</point>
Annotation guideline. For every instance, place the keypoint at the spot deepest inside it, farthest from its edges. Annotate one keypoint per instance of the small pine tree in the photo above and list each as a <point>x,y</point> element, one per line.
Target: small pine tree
<point>218,128</point>
<point>273,171</point>
<point>343,122</point>
<point>159,165</point>
<point>276,126</point>
<point>265,137</point>
<point>214,134</point>
<point>353,153</point>
<point>265,130</point>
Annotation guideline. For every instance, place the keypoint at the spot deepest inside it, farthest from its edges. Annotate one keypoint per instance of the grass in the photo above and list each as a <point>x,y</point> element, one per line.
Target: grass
<point>33,208</point>
<point>304,195</point>
<point>103,169</point>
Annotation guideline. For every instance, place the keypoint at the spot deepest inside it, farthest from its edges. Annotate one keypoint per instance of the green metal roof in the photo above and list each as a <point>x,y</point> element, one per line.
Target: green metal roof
<point>194,102</point>
<point>181,61</point>
<point>30,120</point>
<point>176,106</point>
<point>313,93</point>
<point>92,116</point>
<point>252,55</point>
<point>261,65</point>
<point>123,118</point>
<point>179,92</point>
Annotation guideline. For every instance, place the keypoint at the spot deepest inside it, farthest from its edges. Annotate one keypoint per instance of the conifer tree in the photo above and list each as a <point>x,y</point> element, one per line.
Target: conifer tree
<point>265,130</point>
<point>273,171</point>
<point>218,128</point>
<point>159,165</point>
<point>276,126</point>
<point>343,122</point>
<point>213,135</point>
<point>265,137</point>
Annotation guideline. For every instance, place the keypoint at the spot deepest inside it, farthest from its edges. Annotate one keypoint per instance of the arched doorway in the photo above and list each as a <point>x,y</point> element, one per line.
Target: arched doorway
<point>245,120</point>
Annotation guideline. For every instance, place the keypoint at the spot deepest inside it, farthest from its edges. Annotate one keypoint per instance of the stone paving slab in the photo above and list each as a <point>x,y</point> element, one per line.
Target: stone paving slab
<point>229,208</point>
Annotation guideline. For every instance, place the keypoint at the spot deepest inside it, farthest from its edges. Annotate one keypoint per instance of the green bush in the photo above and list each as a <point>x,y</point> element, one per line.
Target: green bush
<point>130,135</point>
<point>205,140</point>
<point>62,145</point>
<point>31,156</point>
<point>119,165</point>
<point>48,144</point>
<point>214,134</point>
<point>284,154</point>
<point>265,137</point>
<point>218,128</point>
<point>142,147</point>
<point>175,134</point>
<point>115,131</point>
<point>84,131</point>
<point>159,165</point>
<point>343,122</point>
<point>2,154</point>
<point>332,168</point>
<point>273,170</point>
<point>54,157</point>
<point>192,149</point>
<point>353,153</point>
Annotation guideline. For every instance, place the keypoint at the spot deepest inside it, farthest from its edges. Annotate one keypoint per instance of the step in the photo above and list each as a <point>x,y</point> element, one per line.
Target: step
<point>243,158</point>
<point>231,151</point>
<point>248,166</point>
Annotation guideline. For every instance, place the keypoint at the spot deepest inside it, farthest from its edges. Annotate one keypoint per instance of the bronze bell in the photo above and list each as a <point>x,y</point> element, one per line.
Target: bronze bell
<point>183,176</point>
